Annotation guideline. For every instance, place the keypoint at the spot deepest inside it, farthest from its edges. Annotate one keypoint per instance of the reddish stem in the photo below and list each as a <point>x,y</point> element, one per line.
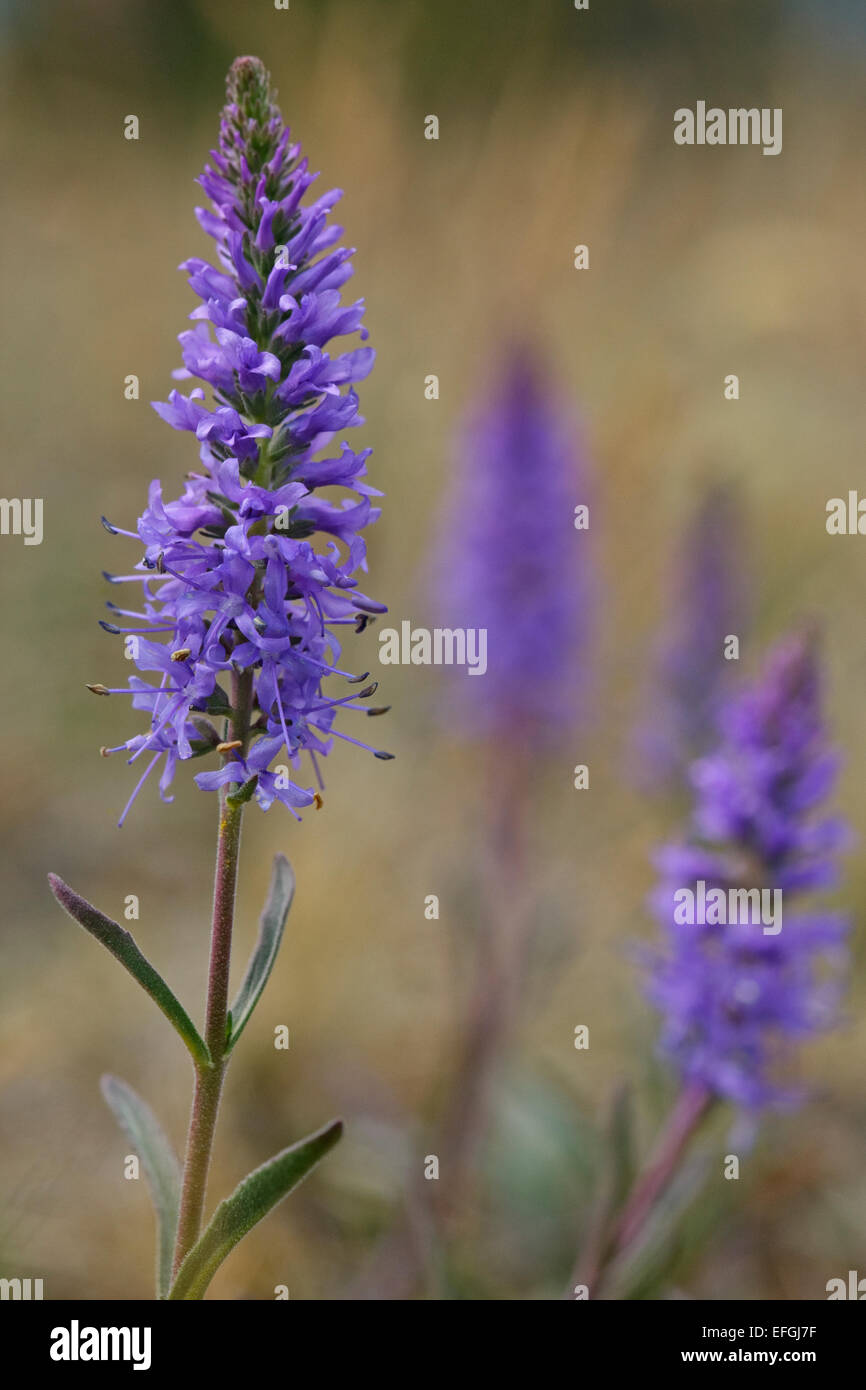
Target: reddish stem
<point>209,1078</point>
<point>689,1110</point>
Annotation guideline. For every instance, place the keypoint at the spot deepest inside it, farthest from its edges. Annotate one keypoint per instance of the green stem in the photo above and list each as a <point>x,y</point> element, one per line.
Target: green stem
<point>209,1078</point>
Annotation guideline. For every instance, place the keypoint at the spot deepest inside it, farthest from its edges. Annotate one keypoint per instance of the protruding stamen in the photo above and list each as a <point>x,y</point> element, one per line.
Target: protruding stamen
<point>118,530</point>
<point>98,689</point>
<point>368,605</point>
<point>144,776</point>
<point>181,654</point>
<point>230,746</point>
<point>130,578</point>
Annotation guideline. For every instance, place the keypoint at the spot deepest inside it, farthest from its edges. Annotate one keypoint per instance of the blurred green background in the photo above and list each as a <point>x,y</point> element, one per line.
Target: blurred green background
<point>555,129</point>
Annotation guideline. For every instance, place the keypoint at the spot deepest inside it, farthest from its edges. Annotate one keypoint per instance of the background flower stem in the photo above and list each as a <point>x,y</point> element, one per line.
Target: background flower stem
<point>209,1078</point>
<point>500,970</point>
<point>688,1111</point>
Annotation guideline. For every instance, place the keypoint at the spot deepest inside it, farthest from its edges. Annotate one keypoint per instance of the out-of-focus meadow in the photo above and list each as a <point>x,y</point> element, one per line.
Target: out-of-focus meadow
<point>555,129</point>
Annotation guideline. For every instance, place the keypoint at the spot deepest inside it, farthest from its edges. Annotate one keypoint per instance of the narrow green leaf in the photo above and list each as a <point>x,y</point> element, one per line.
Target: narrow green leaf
<point>621,1142</point>
<point>273,920</point>
<point>122,946</point>
<point>160,1165</point>
<point>617,1171</point>
<point>252,1199</point>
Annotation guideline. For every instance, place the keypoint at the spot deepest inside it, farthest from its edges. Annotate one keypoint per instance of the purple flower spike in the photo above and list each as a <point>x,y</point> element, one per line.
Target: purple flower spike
<point>511,559</point>
<point>708,605</point>
<point>738,995</point>
<point>233,585</point>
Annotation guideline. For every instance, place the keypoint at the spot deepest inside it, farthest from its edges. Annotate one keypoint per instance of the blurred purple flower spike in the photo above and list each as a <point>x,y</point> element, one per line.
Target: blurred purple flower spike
<point>511,562</point>
<point>735,998</point>
<point>708,603</point>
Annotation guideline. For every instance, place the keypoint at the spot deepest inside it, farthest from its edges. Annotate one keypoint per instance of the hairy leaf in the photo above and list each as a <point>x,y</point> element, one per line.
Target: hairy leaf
<point>252,1199</point>
<point>160,1165</point>
<point>273,920</point>
<point>122,946</point>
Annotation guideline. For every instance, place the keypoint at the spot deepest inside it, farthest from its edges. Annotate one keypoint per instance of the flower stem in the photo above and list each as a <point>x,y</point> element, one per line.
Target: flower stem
<point>504,941</point>
<point>689,1110</point>
<point>209,1077</point>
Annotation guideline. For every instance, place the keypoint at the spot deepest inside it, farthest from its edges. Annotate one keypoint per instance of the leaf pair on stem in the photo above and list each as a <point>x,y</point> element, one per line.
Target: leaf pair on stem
<point>262,1189</point>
